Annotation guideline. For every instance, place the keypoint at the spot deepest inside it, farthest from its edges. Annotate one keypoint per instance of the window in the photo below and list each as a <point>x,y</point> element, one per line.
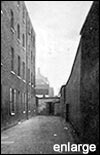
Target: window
<point>18,3</point>
<point>19,65</point>
<point>23,40</point>
<point>1,8</point>
<point>29,75</point>
<point>31,78</point>
<point>29,48</point>
<point>24,101</point>
<point>29,98</point>
<point>31,34</point>
<point>23,70</point>
<point>31,56</point>
<point>33,41</point>
<point>23,13</point>
<point>1,102</point>
<point>18,101</point>
<point>21,103</point>
<point>12,59</point>
<point>29,28</point>
<point>12,19</point>
<point>18,97</point>
<point>18,31</point>
<point>12,101</point>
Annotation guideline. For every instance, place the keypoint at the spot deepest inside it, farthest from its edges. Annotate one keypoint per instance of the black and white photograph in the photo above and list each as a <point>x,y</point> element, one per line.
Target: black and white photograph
<point>50,77</point>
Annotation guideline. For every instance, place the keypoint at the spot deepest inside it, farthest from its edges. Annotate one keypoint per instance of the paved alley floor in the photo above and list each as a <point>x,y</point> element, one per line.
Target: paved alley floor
<point>37,135</point>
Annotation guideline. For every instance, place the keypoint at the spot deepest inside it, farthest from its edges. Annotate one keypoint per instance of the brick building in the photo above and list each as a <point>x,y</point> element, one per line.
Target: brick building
<point>82,87</point>
<point>48,105</point>
<point>42,85</point>
<point>17,63</point>
<point>51,91</point>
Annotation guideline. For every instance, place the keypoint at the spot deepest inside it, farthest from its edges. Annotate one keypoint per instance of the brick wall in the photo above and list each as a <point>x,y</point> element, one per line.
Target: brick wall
<point>9,79</point>
<point>90,77</point>
<point>73,93</point>
<point>82,88</point>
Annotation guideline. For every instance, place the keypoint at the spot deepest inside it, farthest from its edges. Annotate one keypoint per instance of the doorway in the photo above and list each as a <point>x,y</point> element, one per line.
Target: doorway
<point>67,112</point>
<point>51,109</point>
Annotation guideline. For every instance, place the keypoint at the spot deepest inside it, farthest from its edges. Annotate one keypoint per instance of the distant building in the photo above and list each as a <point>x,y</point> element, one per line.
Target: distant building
<point>49,106</point>
<point>17,62</point>
<point>42,85</point>
<point>43,88</point>
<point>51,92</point>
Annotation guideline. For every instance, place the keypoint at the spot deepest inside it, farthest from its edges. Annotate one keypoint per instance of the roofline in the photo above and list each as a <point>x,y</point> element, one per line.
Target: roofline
<point>74,63</point>
<point>62,87</point>
<point>27,12</point>
<point>82,29</point>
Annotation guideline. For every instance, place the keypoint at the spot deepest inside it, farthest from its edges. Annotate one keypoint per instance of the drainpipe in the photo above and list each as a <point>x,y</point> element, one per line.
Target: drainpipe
<point>26,67</point>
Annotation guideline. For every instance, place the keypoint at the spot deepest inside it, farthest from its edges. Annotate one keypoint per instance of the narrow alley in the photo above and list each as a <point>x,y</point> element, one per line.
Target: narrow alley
<point>50,77</point>
<point>36,136</point>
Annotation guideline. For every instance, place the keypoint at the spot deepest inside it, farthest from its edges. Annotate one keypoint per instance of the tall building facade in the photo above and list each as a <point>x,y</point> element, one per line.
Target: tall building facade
<point>17,63</point>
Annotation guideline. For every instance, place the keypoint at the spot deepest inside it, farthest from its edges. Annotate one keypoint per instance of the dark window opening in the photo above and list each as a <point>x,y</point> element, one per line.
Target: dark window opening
<point>12,59</point>
<point>18,31</point>
<point>19,65</point>
<point>23,38</point>
<point>12,19</point>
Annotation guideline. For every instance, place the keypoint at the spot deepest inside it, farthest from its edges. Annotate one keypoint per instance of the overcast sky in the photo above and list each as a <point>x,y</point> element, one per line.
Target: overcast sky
<point>57,25</point>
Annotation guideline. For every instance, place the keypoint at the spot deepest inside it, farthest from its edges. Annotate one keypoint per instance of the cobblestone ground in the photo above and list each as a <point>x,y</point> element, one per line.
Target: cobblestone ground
<point>36,136</point>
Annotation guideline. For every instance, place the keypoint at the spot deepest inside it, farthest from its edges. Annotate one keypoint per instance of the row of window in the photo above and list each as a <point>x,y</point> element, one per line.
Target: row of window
<point>18,31</point>
<point>18,100</point>
<point>18,4</point>
<point>17,97</point>
<point>18,26</point>
<point>19,67</point>
<point>19,64</point>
